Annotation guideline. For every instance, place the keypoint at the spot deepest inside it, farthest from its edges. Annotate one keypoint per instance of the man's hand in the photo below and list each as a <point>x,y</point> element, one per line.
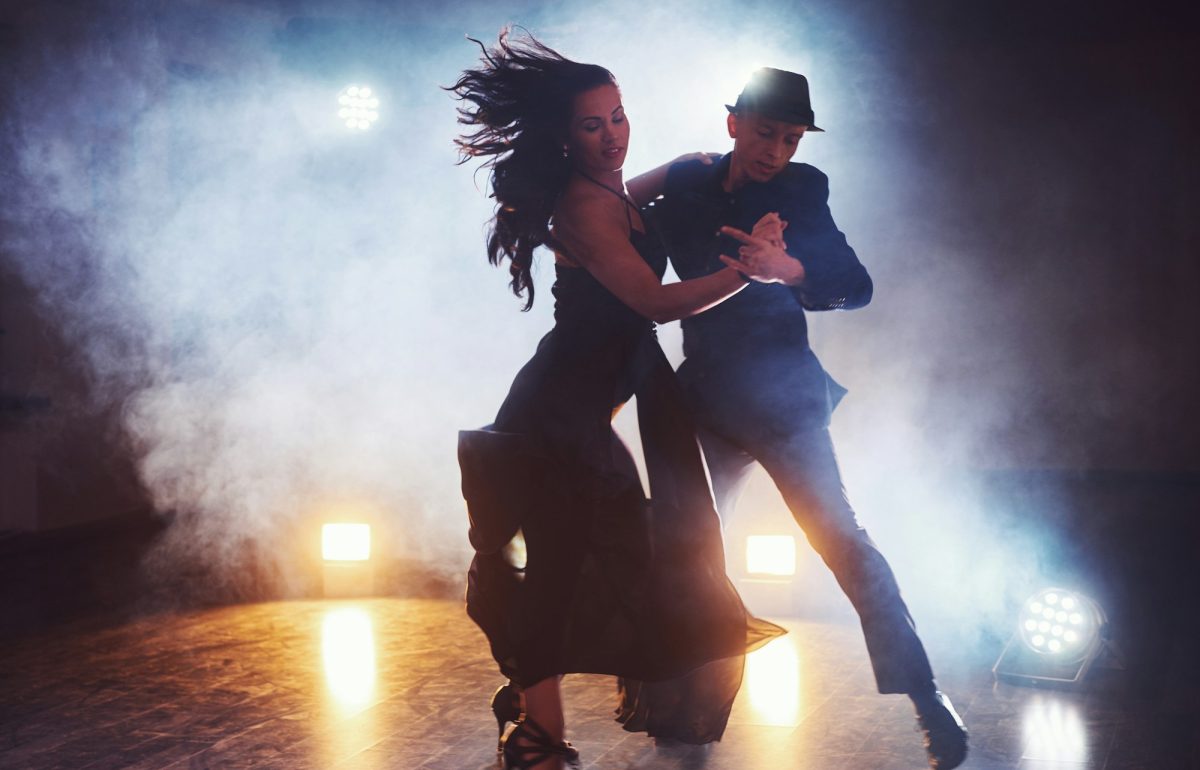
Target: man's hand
<point>762,260</point>
<point>770,228</point>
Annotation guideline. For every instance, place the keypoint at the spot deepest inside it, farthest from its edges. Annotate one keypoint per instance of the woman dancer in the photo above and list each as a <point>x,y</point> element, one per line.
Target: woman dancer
<point>610,584</point>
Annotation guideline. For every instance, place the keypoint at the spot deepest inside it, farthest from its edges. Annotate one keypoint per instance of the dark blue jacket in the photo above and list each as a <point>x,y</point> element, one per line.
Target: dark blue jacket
<point>749,370</point>
<point>694,206</point>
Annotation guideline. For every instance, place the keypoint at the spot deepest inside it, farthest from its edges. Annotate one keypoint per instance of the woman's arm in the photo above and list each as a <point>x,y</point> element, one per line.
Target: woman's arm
<point>648,186</point>
<point>596,236</point>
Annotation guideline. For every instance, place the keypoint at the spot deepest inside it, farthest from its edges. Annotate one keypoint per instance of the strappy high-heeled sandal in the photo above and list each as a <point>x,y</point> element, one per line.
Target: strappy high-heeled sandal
<point>541,746</point>
<point>506,707</point>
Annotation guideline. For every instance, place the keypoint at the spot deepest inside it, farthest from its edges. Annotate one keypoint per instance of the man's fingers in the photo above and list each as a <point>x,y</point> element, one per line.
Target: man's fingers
<point>736,234</point>
<point>771,218</point>
<point>742,236</point>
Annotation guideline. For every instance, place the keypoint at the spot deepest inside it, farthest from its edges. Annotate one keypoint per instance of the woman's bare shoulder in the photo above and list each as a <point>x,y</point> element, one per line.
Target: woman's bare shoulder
<point>585,205</point>
<point>586,221</point>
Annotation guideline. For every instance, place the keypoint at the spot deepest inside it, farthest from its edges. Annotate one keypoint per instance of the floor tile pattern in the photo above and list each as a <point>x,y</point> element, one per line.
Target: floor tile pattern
<point>403,683</point>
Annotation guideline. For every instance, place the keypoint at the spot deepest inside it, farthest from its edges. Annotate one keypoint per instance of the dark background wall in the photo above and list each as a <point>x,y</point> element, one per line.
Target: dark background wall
<point>1058,153</point>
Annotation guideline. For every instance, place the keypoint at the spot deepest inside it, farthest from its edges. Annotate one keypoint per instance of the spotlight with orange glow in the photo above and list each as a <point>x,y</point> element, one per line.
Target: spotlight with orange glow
<point>346,551</point>
<point>346,542</point>
<point>771,555</point>
<point>768,583</point>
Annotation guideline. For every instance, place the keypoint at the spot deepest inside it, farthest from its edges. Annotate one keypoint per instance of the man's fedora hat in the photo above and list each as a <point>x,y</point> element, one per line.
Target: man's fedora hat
<point>779,95</point>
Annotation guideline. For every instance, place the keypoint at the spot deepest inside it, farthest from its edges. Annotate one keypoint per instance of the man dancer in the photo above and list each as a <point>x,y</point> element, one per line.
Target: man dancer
<point>757,392</point>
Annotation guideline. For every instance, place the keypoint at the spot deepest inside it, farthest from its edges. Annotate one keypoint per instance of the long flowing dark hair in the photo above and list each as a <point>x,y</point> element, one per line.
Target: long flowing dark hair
<point>521,98</point>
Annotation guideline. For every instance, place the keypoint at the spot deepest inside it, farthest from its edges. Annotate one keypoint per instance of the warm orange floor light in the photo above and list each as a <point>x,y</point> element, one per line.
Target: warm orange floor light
<point>771,555</point>
<point>772,683</point>
<point>346,542</point>
<point>348,657</point>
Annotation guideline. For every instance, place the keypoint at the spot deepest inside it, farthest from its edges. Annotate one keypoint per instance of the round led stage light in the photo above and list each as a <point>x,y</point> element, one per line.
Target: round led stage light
<point>1060,623</point>
<point>358,107</point>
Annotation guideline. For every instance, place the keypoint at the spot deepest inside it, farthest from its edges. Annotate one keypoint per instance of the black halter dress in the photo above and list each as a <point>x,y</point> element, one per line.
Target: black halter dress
<point>612,583</point>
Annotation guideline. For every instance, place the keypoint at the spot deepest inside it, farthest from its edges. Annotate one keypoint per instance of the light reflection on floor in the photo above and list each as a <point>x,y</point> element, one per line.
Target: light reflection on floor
<point>1054,730</point>
<point>404,683</point>
<point>348,657</point>
<point>773,683</point>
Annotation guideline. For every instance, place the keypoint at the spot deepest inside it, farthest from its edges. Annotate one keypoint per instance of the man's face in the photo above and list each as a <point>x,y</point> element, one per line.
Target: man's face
<point>762,147</point>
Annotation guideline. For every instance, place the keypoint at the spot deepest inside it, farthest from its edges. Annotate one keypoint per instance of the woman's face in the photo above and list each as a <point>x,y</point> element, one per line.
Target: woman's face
<point>598,136</point>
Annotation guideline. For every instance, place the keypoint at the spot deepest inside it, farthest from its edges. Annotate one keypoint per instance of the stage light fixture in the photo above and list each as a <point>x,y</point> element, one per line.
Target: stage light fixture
<point>771,555</point>
<point>768,582</point>
<point>1059,623</point>
<point>1060,634</point>
<point>346,542</point>
<point>358,107</point>
<point>348,569</point>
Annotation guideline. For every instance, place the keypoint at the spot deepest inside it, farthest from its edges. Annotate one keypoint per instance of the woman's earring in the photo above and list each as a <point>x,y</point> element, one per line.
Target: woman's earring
<point>566,152</point>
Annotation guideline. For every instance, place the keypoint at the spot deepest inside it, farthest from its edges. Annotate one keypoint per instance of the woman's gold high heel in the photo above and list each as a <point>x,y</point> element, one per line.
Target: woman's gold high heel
<point>541,746</point>
<point>506,707</point>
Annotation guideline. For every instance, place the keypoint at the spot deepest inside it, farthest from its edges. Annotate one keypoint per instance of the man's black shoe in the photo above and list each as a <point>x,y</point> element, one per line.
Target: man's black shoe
<point>945,734</point>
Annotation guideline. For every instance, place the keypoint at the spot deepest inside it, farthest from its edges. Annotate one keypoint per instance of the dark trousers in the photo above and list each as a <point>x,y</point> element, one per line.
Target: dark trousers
<point>800,460</point>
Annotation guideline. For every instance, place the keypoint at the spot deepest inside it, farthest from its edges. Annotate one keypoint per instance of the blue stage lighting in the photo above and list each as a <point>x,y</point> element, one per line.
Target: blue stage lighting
<point>1061,634</point>
<point>358,107</point>
<point>1060,623</point>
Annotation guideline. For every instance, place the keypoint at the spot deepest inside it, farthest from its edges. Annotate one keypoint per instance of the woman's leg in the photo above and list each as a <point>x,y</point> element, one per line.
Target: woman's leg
<point>543,704</point>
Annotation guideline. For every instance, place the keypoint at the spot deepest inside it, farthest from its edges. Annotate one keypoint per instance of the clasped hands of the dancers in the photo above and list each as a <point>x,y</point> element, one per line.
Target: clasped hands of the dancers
<point>763,255</point>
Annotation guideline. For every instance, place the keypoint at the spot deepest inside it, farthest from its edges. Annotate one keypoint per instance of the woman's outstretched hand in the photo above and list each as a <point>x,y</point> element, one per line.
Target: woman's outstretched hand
<point>762,256</point>
<point>707,158</point>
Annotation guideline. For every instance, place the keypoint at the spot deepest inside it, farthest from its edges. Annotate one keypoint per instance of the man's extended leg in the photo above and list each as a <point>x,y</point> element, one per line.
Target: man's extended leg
<point>805,470</point>
<point>804,467</point>
<point>729,469</point>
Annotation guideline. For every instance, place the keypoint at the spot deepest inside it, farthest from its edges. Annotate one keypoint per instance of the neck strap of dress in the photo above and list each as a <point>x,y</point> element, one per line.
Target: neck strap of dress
<point>628,203</point>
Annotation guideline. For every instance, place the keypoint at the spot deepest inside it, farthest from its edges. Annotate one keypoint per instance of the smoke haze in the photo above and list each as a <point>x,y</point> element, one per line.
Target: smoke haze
<point>295,319</point>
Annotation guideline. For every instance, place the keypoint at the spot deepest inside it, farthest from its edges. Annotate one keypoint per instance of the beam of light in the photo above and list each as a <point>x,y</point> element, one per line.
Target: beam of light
<point>348,657</point>
<point>1054,731</point>
<point>773,683</point>
<point>346,542</point>
<point>771,555</point>
<point>728,81</point>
